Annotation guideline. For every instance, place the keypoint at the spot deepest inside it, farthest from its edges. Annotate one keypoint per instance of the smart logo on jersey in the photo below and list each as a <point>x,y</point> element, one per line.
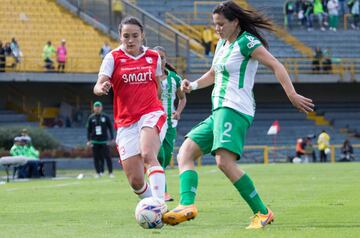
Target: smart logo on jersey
<point>136,75</point>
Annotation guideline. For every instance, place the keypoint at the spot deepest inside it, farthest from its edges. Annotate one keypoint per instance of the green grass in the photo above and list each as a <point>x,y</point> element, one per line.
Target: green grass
<point>321,200</point>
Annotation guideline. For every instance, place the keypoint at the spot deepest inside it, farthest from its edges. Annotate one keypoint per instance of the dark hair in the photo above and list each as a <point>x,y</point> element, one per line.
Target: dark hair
<point>132,21</point>
<point>249,20</point>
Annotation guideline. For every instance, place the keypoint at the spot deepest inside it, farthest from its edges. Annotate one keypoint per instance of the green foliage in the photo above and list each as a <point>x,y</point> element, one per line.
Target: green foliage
<point>41,139</point>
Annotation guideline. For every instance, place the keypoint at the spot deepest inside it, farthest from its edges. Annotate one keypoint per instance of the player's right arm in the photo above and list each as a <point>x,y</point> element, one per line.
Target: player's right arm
<point>103,84</point>
<point>204,81</point>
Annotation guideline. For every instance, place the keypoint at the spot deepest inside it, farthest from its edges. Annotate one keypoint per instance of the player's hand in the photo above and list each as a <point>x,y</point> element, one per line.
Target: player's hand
<point>185,86</point>
<point>88,143</point>
<point>302,103</point>
<point>103,88</point>
<point>176,115</point>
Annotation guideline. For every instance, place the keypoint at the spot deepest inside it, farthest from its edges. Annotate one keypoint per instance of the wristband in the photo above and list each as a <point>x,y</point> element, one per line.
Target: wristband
<point>194,85</point>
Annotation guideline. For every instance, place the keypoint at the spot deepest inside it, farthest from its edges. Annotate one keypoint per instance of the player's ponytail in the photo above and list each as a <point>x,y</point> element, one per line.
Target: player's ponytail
<point>249,20</point>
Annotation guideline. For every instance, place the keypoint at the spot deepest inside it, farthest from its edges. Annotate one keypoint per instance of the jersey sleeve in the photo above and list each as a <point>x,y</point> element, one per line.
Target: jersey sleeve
<point>248,44</point>
<point>178,80</point>
<point>107,66</point>
<point>158,71</point>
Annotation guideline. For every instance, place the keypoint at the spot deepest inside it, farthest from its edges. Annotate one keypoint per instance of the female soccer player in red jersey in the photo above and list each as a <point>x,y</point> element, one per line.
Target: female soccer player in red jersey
<point>133,72</point>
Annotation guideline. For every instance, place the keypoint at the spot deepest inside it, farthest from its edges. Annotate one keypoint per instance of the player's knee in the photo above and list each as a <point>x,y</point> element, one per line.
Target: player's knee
<point>221,164</point>
<point>136,183</point>
<point>149,157</point>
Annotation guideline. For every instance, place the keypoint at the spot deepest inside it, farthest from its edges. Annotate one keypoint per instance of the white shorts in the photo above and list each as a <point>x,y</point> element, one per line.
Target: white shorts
<point>128,138</point>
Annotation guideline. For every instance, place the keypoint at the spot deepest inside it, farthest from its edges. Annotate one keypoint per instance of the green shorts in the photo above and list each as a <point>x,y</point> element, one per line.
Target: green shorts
<point>224,128</point>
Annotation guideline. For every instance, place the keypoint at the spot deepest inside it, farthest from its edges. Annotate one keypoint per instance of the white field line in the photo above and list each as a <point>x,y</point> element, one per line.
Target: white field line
<point>50,186</point>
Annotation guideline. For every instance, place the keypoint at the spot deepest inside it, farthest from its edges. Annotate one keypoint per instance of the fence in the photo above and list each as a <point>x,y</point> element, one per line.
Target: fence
<point>277,154</point>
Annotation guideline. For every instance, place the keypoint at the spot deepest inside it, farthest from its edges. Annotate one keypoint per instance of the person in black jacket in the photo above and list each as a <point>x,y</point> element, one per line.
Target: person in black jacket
<point>97,135</point>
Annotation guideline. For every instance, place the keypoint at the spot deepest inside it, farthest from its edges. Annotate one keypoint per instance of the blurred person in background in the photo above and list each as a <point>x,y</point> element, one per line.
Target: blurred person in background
<point>347,152</point>
<point>323,146</point>
<point>319,13</point>
<point>207,39</point>
<point>22,147</point>
<point>98,126</point>
<point>104,50</point>
<point>289,9</point>
<point>48,54</point>
<point>2,58</point>
<point>61,54</point>
<point>170,85</point>
<point>333,10</point>
<point>15,51</point>
<point>355,13</point>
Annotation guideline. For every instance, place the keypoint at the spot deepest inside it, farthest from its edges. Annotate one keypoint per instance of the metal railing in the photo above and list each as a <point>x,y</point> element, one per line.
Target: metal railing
<point>156,31</point>
<point>73,64</point>
<point>298,66</point>
<point>281,154</point>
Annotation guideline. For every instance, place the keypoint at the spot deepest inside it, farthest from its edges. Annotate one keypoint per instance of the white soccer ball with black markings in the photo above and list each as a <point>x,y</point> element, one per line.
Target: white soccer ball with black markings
<point>149,211</point>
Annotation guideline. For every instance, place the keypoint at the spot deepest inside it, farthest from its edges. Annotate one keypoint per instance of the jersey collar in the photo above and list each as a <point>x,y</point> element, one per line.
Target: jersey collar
<point>122,48</point>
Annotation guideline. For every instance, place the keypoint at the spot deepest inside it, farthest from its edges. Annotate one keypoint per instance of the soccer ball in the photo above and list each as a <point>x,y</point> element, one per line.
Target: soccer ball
<point>149,211</point>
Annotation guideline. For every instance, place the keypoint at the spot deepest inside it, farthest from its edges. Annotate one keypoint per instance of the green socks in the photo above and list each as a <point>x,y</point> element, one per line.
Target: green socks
<point>247,190</point>
<point>188,187</point>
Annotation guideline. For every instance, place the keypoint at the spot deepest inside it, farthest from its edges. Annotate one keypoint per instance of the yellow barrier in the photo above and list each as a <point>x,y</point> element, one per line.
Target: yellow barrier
<point>266,151</point>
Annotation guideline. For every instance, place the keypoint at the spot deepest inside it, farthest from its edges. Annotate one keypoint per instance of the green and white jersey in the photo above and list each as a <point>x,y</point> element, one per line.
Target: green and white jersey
<point>235,74</point>
<point>169,87</point>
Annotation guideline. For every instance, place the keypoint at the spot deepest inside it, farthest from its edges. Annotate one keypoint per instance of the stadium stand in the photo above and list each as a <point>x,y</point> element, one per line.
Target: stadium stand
<point>34,22</point>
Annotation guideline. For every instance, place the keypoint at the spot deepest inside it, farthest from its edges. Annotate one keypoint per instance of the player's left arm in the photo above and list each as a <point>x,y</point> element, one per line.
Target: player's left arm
<point>266,58</point>
<point>158,74</point>
<point>181,104</point>
<point>159,90</point>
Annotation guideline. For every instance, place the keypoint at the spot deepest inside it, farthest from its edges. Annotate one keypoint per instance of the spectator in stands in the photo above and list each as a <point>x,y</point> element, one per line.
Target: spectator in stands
<point>207,39</point>
<point>319,13</point>
<point>308,9</point>
<point>61,54</point>
<point>342,9</point>
<point>15,51</point>
<point>318,57</point>
<point>289,9</point>
<point>48,54</point>
<point>354,6</point>
<point>2,58</point>
<point>347,152</point>
<point>98,126</point>
<point>300,145</point>
<point>333,9</point>
<point>117,8</point>
<point>309,151</point>
<point>323,146</point>
<point>327,60</point>
<point>104,50</point>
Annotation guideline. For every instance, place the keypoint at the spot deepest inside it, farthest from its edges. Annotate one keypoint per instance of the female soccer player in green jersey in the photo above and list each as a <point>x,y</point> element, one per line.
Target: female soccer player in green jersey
<point>222,134</point>
<point>170,85</point>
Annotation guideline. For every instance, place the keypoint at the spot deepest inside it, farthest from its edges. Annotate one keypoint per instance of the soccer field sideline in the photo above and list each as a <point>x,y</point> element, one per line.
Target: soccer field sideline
<point>310,200</point>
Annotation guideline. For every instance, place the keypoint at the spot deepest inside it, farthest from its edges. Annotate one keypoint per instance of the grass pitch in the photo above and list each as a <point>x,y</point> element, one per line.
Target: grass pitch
<point>309,200</point>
